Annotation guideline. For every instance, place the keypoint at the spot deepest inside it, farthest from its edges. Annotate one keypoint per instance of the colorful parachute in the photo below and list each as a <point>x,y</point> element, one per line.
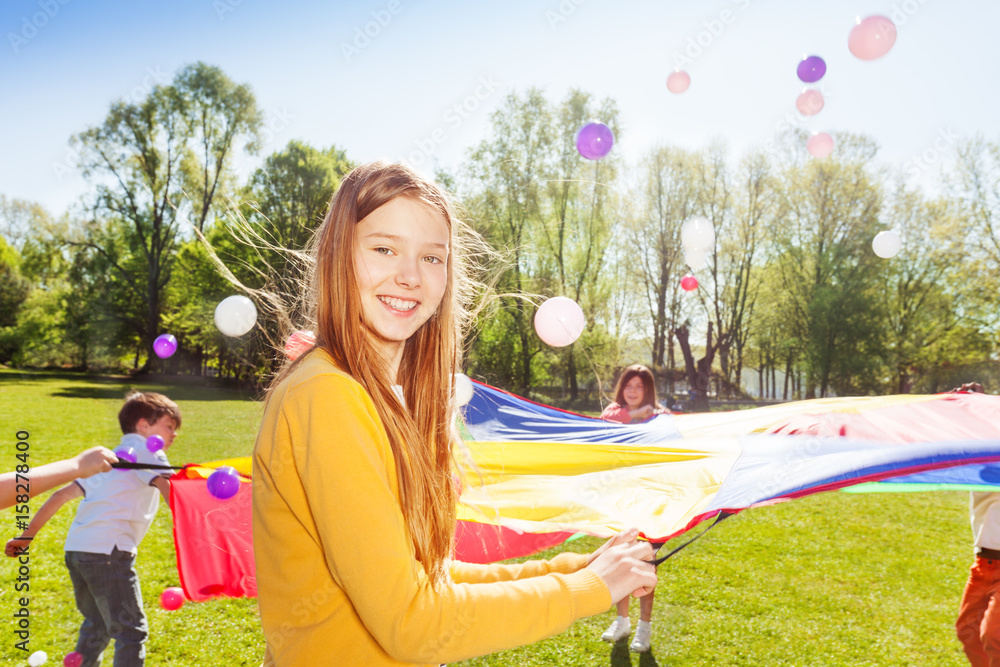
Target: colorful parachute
<point>536,475</point>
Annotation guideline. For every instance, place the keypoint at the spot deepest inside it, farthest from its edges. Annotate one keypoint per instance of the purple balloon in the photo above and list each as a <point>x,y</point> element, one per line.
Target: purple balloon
<point>154,443</point>
<point>811,69</point>
<point>126,454</point>
<point>594,140</point>
<point>224,482</point>
<point>164,345</point>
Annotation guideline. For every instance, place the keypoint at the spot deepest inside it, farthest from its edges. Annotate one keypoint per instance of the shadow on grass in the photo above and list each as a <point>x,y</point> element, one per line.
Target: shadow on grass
<point>620,656</point>
<point>179,387</point>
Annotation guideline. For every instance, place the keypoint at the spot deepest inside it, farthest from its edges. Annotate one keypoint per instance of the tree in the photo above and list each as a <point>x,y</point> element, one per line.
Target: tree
<point>141,159</point>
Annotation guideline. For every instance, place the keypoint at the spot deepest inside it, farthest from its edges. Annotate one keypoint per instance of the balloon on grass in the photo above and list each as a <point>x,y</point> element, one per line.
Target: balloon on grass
<point>559,321</point>
<point>678,82</point>
<point>820,144</point>
<point>689,283</point>
<point>224,483</point>
<point>38,658</point>
<point>810,102</point>
<point>887,244</point>
<point>164,345</point>
<point>811,69</point>
<point>73,659</point>
<point>172,598</point>
<point>155,443</point>
<point>594,140</point>
<point>235,315</point>
<point>872,37</point>
<point>463,389</point>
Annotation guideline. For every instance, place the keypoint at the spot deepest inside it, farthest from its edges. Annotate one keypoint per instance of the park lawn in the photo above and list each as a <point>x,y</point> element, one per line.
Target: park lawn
<point>833,579</point>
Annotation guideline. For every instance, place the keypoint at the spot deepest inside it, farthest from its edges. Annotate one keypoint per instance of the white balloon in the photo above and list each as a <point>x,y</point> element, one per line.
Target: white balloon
<point>559,321</point>
<point>696,258</point>
<point>463,388</point>
<point>887,244</point>
<point>38,658</point>
<point>697,233</point>
<point>235,315</point>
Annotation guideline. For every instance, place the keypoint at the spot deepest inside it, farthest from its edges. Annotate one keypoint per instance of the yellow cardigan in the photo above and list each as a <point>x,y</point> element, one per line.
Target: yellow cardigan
<point>338,582</point>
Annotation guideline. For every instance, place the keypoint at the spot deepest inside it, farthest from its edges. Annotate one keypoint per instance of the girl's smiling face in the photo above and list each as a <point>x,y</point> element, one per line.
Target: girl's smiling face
<point>401,267</point>
<point>634,393</point>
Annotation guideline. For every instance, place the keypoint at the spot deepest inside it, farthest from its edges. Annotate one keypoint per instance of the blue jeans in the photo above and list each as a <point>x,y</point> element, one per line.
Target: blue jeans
<point>107,594</point>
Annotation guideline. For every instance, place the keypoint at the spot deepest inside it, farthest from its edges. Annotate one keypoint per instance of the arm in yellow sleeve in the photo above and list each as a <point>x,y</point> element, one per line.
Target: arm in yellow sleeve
<point>342,456</point>
<point>565,563</point>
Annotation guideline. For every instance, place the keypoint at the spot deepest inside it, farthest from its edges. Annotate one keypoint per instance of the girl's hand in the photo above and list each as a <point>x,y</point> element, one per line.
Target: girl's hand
<point>626,570</point>
<point>623,537</point>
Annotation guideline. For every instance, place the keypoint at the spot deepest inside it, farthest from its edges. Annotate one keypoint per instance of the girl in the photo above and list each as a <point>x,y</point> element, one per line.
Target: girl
<point>635,401</point>
<point>353,500</point>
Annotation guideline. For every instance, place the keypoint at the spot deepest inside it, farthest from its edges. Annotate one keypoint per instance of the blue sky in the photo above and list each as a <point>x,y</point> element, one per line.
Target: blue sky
<point>395,95</point>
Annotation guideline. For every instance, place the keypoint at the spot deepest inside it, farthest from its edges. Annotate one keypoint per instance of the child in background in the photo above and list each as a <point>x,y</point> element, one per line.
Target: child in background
<point>635,401</point>
<point>111,520</point>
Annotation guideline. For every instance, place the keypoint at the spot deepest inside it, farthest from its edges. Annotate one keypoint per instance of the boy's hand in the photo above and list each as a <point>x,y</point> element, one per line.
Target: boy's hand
<point>16,547</point>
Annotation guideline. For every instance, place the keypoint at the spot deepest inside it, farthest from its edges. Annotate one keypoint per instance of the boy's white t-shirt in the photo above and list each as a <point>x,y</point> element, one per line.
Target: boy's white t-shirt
<point>984,508</point>
<point>118,506</point>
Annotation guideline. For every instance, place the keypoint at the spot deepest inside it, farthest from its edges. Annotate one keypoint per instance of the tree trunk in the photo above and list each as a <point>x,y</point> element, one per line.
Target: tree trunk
<point>699,375</point>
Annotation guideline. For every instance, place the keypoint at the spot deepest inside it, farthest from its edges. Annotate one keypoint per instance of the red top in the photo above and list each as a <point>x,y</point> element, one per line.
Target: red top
<point>616,413</point>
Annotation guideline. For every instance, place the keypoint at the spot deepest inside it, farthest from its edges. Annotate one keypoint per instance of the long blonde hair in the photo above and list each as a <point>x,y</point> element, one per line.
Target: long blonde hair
<point>421,434</point>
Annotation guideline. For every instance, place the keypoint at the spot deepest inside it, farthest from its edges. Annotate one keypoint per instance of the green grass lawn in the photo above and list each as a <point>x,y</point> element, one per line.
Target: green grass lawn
<point>834,579</point>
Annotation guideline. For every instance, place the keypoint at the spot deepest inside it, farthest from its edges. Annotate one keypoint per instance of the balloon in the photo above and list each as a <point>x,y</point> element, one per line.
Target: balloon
<point>678,82</point>
<point>154,443</point>
<point>172,598</point>
<point>594,140</point>
<point>126,454</point>
<point>73,659</point>
<point>689,283</point>
<point>559,321</point>
<point>820,144</point>
<point>235,315</point>
<point>224,482</point>
<point>38,658</point>
<point>164,345</point>
<point>697,233</point>
<point>887,244</point>
<point>696,258</point>
<point>811,69</point>
<point>872,38</point>
<point>300,341</point>
<point>810,102</point>
<point>463,388</point>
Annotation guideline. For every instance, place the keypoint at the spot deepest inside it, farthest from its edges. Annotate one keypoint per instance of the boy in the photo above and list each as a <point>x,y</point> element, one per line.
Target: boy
<point>114,515</point>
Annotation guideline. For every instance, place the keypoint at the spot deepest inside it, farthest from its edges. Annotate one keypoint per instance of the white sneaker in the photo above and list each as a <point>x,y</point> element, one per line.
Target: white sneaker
<point>620,629</point>
<point>640,643</point>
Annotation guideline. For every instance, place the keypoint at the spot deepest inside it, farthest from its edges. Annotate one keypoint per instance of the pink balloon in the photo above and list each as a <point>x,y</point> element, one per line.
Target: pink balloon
<point>872,37</point>
<point>73,659</point>
<point>820,144</point>
<point>678,82</point>
<point>559,321</point>
<point>300,341</point>
<point>810,102</point>
<point>689,283</point>
<point>172,598</point>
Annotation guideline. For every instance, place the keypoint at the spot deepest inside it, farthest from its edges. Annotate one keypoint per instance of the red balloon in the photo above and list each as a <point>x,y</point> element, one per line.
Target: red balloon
<point>172,598</point>
<point>73,659</point>
<point>689,283</point>
<point>299,342</point>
